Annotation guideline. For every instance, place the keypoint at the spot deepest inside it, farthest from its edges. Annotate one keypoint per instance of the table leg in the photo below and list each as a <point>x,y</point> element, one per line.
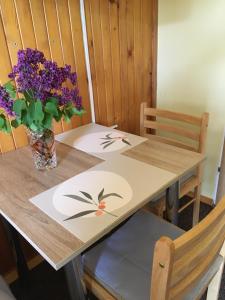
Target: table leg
<point>14,240</point>
<point>172,203</point>
<point>74,273</point>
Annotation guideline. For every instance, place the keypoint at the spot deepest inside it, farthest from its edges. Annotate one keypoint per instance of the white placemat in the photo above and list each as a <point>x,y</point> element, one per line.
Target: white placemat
<point>103,142</point>
<point>93,202</point>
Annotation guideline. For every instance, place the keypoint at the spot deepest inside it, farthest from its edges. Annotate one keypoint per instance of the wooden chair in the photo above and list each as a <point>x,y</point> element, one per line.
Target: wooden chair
<point>194,140</point>
<point>148,258</point>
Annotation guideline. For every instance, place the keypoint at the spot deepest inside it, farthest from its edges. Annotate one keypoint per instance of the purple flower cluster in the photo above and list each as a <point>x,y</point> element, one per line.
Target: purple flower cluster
<point>44,78</point>
<point>6,102</point>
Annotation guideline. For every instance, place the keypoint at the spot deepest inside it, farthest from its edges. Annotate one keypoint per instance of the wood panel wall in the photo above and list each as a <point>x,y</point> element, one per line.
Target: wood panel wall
<point>52,26</point>
<point>122,48</point>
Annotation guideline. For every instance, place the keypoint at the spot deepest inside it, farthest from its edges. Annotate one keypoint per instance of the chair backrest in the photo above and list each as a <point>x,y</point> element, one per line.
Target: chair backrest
<point>178,265</point>
<point>149,120</point>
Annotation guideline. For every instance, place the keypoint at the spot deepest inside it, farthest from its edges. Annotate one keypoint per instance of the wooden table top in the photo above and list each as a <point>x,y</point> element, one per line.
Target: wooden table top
<point>166,157</point>
<point>19,181</point>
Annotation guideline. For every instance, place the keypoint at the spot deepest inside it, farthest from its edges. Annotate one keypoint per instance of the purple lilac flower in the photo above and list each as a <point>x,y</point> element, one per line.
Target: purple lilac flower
<point>44,78</point>
<point>70,95</point>
<point>6,102</point>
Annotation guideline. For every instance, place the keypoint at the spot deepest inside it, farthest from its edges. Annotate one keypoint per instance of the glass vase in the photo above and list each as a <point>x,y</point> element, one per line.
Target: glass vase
<point>43,149</point>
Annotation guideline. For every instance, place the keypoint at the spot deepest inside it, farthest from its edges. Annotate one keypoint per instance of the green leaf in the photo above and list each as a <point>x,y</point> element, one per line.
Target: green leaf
<point>78,112</point>
<point>70,111</point>
<point>10,88</point>
<point>81,214</point>
<point>126,142</point>
<point>33,127</point>
<point>111,195</point>
<point>53,100</point>
<point>35,111</point>
<point>39,115</point>
<point>108,136</point>
<point>105,142</point>
<point>75,197</point>
<point>107,145</point>
<point>16,123</point>
<point>58,118</point>
<point>4,124</point>
<point>18,106</point>
<point>28,95</point>
<point>100,195</point>
<point>25,118</point>
<point>51,108</point>
<point>47,122</point>
<point>86,195</point>
<point>66,117</point>
<point>2,121</point>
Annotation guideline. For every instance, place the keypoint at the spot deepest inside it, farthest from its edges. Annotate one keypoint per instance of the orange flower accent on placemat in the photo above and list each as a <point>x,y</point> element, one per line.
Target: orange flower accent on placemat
<point>110,140</point>
<point>88,199</point>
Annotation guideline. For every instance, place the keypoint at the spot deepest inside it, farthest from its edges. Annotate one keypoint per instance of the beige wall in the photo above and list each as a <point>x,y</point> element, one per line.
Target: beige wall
<point>191,68</point>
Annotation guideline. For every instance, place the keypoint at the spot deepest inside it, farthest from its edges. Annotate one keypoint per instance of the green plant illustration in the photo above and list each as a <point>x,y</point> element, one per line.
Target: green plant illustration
<point>99,203</point>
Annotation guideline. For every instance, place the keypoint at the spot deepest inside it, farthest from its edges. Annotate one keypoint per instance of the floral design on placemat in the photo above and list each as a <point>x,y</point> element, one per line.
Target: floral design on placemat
<point>100,203</point>
<point>110,140</point>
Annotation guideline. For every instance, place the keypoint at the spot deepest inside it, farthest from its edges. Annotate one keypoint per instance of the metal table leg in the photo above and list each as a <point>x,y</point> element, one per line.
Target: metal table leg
<point>172,203</point>
<point>74,274</point>
<point>73,269</point>
<point>14,240</point>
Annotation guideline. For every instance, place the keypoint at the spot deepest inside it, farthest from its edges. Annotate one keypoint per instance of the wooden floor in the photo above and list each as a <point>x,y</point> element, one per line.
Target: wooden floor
<point>46,284</point>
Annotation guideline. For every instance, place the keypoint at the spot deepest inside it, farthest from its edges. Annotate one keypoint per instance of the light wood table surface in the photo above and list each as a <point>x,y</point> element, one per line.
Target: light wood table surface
<point>167,157</point>
<point>19,181</point>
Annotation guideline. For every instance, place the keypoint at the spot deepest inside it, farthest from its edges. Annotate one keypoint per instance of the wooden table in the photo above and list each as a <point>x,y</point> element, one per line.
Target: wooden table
<point>19,181</point>
<point>169,158</point>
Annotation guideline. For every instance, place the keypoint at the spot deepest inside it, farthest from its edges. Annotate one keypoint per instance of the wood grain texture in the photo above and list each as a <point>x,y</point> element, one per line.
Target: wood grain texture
<point>196,250</point>
<point>17,171</point>
<point>121,37</point>
<point>53,27</point>
<point>167,157</point>
<point>153,118</point>
<point>179,264</point>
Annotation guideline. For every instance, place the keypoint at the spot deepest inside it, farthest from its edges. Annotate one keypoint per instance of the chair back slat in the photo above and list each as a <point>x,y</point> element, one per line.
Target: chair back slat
<point>174,129</point>
<point>191,255</point>
<point>155,112</point>
<point>197,132</point>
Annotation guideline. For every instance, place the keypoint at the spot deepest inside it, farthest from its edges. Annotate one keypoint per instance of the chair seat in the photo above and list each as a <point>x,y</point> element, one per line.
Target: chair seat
<point>120,264</point>
<point>5,293</point>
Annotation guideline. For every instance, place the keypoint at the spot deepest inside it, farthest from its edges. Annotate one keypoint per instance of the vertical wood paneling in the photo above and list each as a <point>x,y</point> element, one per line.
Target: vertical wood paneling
<point>147,20</point>
<point>78,48</point>
<point>94,7</point>
<point>13,40</point>
<point>25,26</point>
<point>115,61</point>
<point>121,38</point>
<point>130,65</point>
<point>92,59</point>
<point>137,61</point>
<point>4,66</point>
<point>52,26</point>
<point>122,7</point>
<point>41,36</point>
<point>66,44</point>
<point>107,61</point>
<point>53,37</point>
